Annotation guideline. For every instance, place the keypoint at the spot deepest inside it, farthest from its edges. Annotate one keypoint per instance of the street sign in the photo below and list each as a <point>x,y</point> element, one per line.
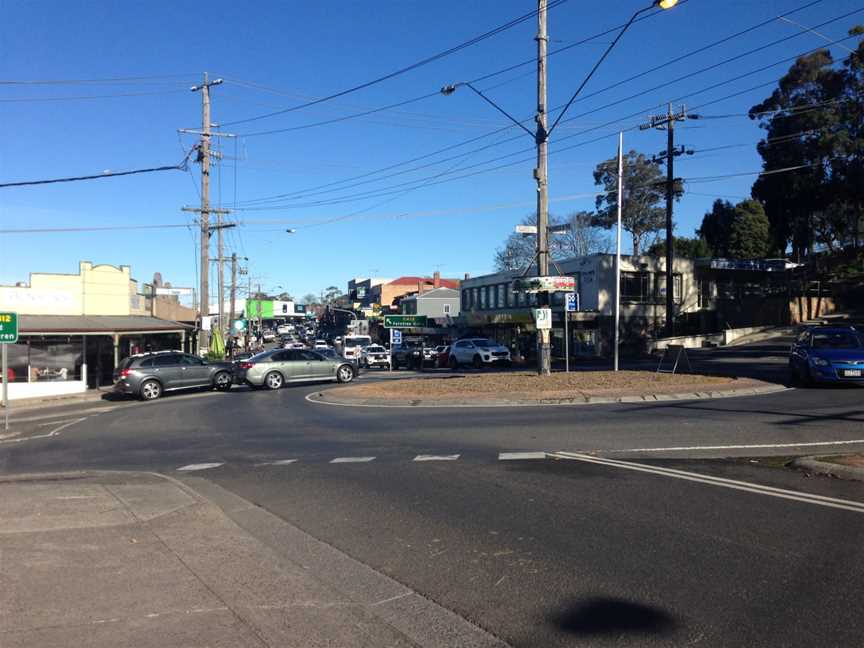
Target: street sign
<point>543,318</point>
<point>571,302</point>
<point>526,229</point>
<point>545,284</point>
<point>395,337</point>
<point>8,328</point>
<point>404,321</point>
<point>174,292</point>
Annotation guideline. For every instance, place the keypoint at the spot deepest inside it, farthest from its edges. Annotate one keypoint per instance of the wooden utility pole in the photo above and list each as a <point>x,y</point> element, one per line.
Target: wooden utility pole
<point>204,216</point>
<point>544,355</point>
<point>667,122</point>
<point>233,289</point>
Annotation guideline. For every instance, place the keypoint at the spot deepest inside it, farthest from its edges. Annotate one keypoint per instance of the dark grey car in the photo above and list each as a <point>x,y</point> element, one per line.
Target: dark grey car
<point>149,375</point>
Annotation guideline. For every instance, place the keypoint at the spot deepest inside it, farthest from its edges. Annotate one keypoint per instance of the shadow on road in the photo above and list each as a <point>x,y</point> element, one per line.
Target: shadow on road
<point>602,615</point>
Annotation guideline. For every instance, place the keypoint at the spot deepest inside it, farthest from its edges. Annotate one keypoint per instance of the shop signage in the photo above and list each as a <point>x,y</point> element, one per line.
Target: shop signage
<point>174,292</point>
<point>8,328</point>
<point>543,318</point>
<point>404,321</point>
<point>545,284</point>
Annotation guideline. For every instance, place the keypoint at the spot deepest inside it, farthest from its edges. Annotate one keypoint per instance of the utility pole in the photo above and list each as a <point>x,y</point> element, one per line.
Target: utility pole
<point>233,288</point>
<point>667,122</point>
<point>204,217</point>
<point>541,137</point>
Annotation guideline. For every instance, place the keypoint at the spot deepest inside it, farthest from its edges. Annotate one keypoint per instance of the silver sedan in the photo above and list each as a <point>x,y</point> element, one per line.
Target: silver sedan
<point>272,369</point>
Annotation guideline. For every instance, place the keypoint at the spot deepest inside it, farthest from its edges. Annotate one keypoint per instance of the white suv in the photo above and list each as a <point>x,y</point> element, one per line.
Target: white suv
<point>479,353</point>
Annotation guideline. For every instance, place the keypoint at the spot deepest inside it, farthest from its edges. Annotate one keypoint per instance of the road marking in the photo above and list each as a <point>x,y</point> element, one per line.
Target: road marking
<point>743,447</point>
<point>280,462</point>
<point>512,456</point>
<point>55,432</point>
<point>59,415</point>
<point>452,457</point>
<point>199,466</point>
<point>352,459</point>
<point>759,489</point>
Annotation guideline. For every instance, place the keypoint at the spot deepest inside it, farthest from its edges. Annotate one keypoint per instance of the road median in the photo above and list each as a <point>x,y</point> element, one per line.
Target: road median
<point>529,389</point>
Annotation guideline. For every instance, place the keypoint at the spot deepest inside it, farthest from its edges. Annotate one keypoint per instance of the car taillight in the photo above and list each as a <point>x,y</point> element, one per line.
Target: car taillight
<point>247,365</point>
<point>125,373</point>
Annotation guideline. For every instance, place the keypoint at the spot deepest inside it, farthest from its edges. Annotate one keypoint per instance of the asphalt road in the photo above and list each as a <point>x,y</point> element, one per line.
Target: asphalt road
<point>556,551</point>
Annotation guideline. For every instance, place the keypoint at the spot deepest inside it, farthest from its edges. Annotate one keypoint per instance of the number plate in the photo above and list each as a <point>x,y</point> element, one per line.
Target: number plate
<point>852,373</point>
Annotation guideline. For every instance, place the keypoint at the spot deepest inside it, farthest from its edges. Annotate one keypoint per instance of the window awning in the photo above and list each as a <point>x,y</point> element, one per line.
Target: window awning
<point>97,325</point>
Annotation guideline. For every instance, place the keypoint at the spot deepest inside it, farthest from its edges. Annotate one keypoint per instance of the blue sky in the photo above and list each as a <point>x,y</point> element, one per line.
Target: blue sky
<point>274,55</point>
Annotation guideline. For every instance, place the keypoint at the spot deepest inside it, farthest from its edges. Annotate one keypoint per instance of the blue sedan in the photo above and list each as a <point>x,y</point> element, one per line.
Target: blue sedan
<point>828,354</point>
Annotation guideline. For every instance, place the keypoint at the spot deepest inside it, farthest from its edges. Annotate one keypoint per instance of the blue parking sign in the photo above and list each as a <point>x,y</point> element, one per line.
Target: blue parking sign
<point>571,302</point>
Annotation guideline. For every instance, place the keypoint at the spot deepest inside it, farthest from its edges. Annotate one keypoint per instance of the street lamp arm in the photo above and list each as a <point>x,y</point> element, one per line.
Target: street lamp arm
<point>603,58</point>
<point>450,89</point>
<point>342,310</point>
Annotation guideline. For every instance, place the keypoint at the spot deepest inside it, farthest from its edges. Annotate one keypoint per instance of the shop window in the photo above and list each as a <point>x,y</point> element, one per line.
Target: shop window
<point>55,359</point>
<point>475,298</point>
<point>636,287</point>
<point>502,291</point>
<point>483,301</point>
<point>446,309</point>
<point>18,359</point>
<point>660,284</point>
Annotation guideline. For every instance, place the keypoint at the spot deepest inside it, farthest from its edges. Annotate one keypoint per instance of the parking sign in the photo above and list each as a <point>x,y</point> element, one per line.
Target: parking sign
<point>395,337</point>
<point>572,302</point>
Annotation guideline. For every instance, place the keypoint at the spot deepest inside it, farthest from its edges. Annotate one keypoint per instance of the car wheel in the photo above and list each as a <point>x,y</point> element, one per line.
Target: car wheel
<point>477,362</point>
<point>345,374</point>
<point>273,380</point>
<point>454,363</point>
<point>151,390</point>
<point>222,381</point>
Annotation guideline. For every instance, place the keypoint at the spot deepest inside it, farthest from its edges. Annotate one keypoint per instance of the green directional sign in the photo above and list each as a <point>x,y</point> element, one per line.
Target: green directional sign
<point>404,321</point>
<point>8,328</point>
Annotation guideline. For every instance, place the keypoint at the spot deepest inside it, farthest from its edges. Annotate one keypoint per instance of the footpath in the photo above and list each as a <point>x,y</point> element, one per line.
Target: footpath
<point>138,559</point>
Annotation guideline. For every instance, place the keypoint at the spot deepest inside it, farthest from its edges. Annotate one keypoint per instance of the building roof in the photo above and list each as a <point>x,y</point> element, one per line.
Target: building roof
<point>98,324</point>
<point>406,281</point>
<point>435,293</point>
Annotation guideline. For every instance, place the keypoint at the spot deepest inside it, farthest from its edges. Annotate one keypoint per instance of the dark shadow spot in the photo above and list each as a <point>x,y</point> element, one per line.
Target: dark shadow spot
<point>606,615</point>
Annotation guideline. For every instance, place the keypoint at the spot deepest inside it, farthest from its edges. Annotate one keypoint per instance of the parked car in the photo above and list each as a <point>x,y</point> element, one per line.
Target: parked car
<point>320,344</point>
<point>272,369</point>
<point>479,353</point>
<point>828,354</point>
<point>267,335</point>
<point>285,329</point>
<point>375,355</point>
<point>149,375</point>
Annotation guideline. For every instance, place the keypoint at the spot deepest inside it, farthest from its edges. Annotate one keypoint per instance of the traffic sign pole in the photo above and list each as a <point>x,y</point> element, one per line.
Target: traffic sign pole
<point>566,340</point>
<point>4,352</point>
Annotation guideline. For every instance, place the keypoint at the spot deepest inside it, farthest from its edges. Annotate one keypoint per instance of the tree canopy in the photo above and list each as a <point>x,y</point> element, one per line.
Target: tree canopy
<point>688,248</point>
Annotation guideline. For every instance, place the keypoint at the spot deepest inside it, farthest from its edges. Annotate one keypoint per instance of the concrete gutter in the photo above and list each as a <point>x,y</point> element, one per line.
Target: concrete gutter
<point>331,397</point>
<point>813,465</point>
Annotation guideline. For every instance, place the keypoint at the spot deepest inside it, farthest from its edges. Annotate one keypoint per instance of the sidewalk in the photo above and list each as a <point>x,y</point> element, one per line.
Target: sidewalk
<point>134,559</point>
<point>39,402</point>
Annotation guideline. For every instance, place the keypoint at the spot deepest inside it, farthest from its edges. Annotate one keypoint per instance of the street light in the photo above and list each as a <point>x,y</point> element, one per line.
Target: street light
<point>541,138</point>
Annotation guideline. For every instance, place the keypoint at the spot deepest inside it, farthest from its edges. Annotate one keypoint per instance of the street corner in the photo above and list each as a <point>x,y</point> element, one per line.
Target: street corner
<point>842,466</point>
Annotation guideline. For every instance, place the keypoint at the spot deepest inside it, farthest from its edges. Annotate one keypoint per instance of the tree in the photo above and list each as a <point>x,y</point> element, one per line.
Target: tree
<point>331,294</point>
<point>644,191</point>
<point>717,226</point>
<point>581,239</point>
<point>284,296</point>
<point>749,237</point>
<point>308,299</point>
<point>688,248</point>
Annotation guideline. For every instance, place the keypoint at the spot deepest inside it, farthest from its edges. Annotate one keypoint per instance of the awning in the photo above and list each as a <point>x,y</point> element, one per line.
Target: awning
<point>97,325</point>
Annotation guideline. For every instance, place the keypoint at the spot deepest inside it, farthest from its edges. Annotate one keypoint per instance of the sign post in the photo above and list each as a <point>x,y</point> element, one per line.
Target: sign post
<point>571,304</point>
<point>8,335</point>
<point>395,340</point>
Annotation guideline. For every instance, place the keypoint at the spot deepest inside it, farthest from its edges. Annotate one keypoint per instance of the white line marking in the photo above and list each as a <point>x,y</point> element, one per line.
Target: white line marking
<point>59,415</point>
<point>280,462</point>
<point>55,432</point>
<point>199,466</point>
<point>352,459</point>
<point>511,456</point>
<point>453,457</point>
<point>759,489</point>
<point>744,447</point>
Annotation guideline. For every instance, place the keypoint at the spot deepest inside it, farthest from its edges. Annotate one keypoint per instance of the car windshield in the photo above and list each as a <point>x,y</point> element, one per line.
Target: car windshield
<point>837,340</point>
<point>358,341</point>
<point>483,343</point>
<point>374,348</point>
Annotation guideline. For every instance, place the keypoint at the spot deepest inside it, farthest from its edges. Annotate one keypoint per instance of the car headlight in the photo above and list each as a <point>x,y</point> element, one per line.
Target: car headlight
<point>819,362</point>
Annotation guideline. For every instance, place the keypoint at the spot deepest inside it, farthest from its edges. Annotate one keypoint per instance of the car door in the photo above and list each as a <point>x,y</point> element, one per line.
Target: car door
<point>317,365</point>
<point>193,371</point>
<point>464,351</point>
<point>286,362</point>
<point>167,369</point>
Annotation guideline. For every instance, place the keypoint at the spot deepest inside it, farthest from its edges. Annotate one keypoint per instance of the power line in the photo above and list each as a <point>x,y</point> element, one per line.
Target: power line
<point>121,80</point>
<point>403,70</point>
<point>601,108</point>
<point>111,174</point>
<point>88,97</point>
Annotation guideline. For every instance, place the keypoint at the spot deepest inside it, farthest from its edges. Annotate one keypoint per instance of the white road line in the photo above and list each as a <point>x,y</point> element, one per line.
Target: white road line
<point>754,446</point>
<point>280,462</point>
<point>59,415</point>
<point>512,456</point>
<point>421,457</point>
<point>55,432</point>
<point>199,466</point>
<point>352,459</point>
<point>759,489</point>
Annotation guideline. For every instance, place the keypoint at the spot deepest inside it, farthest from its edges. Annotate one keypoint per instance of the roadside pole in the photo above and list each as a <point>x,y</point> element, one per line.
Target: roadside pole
<point>5,387</point>
<point>566,339</point>
<point>618,242</point>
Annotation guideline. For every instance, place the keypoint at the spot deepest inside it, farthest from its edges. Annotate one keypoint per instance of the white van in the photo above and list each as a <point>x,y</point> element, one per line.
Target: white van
<point>353,345</point>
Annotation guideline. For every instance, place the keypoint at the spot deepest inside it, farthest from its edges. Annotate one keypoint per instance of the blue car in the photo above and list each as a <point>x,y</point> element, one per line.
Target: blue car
<point>828,354</point>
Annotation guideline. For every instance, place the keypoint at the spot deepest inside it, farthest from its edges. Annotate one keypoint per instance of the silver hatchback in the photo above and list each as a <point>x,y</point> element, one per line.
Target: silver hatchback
<point>272,369</point>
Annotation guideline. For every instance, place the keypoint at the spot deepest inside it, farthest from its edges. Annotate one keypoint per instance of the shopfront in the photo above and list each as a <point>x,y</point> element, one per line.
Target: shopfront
<point>67,354</point>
